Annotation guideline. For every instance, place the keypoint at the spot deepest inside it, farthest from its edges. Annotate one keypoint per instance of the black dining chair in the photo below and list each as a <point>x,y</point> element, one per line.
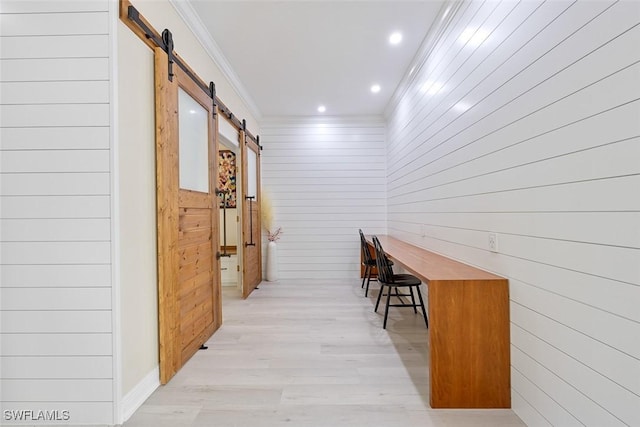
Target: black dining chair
<point>392,282</point>
<point>367,261</point>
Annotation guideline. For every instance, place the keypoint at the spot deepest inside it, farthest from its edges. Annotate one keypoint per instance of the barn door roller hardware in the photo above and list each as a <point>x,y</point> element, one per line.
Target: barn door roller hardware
<point>167,40</point>
<point>212,94</point>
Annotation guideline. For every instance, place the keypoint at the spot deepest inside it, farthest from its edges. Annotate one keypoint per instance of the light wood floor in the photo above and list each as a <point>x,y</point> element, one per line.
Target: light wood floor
<point>308,354</point>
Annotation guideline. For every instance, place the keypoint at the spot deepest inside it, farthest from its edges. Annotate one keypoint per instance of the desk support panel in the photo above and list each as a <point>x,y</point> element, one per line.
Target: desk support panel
<point>469,344</point>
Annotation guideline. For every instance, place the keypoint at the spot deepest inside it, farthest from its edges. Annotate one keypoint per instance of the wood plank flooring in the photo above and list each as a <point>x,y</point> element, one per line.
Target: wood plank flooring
<point>308,354</point>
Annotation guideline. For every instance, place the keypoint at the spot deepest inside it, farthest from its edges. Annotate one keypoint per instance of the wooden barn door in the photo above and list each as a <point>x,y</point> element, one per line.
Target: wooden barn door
<point>251,222</point>
<point>188,238</point>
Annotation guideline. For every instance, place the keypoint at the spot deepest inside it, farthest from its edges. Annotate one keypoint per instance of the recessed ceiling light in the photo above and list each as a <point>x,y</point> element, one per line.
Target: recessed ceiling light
<point>395,38</point>
<point>375,88</point>
<point>322,109</point>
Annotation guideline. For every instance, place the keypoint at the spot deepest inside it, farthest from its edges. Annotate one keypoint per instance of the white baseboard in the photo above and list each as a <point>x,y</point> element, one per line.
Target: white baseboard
<point>141,392</point>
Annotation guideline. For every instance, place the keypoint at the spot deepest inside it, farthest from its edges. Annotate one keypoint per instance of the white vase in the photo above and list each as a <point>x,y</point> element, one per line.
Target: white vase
<point>272,262</point>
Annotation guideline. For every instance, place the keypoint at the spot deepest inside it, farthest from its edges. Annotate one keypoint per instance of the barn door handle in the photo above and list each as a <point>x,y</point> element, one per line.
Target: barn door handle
<point>250,199</point>
<point>224,224</point>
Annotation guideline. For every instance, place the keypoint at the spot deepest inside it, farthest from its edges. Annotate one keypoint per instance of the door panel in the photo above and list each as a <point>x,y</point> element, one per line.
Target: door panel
<point>251,227</point>
<point>189,274</point>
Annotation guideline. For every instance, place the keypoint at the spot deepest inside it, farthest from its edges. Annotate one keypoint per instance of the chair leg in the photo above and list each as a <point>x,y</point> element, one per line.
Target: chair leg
<point>424,313</point>
<point>379,295</point>
<point>366,292</point>
<point>364,277</point>
<point>413,300</point>
<point>386,309</point>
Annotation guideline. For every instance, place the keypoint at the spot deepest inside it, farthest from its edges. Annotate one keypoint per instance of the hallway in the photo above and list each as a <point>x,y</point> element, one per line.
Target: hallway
<point>308,355</point>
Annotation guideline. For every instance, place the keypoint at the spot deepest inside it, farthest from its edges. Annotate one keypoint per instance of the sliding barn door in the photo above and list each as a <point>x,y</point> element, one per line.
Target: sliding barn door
<point>188,272</point>
<point>251,224</point>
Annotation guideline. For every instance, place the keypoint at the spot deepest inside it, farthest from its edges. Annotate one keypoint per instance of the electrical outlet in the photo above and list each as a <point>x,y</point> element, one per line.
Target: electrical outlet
<point>493,242</point>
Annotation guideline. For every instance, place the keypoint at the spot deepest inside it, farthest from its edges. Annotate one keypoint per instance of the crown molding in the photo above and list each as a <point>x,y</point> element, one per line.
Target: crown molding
<point>195,24</point>
<point>448,10</point>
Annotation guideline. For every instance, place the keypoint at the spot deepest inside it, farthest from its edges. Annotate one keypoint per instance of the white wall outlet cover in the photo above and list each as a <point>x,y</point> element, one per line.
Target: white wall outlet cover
<point>493,242</point>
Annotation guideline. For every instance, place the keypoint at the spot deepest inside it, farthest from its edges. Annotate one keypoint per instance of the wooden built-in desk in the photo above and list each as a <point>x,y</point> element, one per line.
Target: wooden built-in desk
<point>469,358</point>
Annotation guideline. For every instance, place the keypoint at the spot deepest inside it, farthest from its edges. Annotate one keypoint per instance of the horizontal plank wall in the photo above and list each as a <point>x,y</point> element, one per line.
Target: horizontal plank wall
<point>523,124</point>
<point>325,178</point>
<point>56,343</point>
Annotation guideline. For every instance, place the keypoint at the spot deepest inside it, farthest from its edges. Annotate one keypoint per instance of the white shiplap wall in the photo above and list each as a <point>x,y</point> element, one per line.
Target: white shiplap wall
<point>56,345</point>
<point>525,122</point>
<point>326,179</point>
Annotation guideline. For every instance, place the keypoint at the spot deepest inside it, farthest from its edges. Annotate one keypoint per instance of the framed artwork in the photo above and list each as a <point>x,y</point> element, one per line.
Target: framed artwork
<point>227,178</point>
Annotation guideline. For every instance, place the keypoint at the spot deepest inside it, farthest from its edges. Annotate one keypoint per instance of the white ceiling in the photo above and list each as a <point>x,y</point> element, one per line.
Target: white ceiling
<point>292,56</point>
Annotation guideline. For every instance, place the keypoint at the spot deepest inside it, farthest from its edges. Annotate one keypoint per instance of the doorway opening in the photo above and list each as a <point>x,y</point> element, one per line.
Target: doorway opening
<point>229,198</point>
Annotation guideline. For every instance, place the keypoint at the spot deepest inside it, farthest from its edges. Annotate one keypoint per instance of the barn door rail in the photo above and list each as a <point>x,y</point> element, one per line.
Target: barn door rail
<point>137,22</point>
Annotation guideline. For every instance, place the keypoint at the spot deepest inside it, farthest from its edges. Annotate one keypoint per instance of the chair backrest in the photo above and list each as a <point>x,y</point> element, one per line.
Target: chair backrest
<point>364,247</point>
<point>385,271</point>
